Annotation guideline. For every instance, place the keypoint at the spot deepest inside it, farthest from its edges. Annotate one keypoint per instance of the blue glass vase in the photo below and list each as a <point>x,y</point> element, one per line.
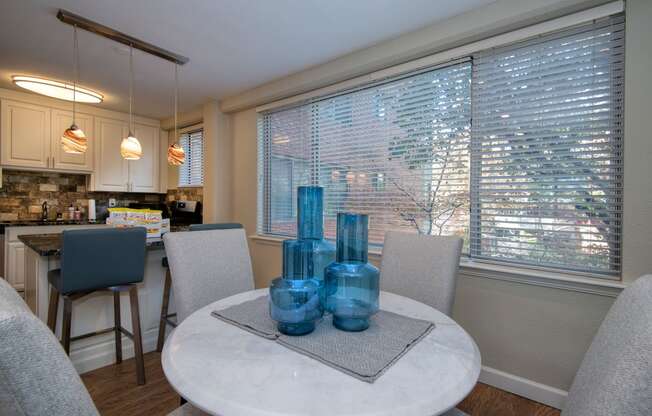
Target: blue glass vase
<point>352,284</point>
<point>295,305</point>
<point>297,298</point>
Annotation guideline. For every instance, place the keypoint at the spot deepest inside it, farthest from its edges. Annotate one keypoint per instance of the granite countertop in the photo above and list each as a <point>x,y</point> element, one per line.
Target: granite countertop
<point>31,223</point>
<point>50,244</point>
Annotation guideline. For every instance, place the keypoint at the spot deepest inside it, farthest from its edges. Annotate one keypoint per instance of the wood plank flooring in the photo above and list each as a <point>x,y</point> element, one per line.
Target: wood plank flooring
<point>116,393</point>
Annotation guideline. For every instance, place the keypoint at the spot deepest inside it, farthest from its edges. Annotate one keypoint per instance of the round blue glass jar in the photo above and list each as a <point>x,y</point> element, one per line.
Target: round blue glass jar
<point>352,284</point>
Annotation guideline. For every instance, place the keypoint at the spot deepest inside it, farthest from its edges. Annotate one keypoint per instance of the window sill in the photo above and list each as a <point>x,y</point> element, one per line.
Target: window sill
<point>544,278</point>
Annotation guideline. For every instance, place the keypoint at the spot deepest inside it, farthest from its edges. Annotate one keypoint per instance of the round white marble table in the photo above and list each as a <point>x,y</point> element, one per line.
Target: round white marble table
<point>226,371</point>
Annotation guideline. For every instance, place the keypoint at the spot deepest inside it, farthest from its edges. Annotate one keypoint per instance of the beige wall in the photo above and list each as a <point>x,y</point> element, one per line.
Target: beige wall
<point>529,331</point>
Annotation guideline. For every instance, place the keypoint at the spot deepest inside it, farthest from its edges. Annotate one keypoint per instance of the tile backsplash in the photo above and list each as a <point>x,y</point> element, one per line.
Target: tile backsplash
<point>23,193</point>
<point>185,194</point>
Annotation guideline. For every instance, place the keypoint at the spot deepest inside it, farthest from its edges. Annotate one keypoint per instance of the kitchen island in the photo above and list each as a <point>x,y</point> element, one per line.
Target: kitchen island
<point>95,311</point>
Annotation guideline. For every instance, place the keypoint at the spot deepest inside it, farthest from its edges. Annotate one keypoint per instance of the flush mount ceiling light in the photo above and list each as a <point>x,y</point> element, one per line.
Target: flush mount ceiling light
<point>56,89</point>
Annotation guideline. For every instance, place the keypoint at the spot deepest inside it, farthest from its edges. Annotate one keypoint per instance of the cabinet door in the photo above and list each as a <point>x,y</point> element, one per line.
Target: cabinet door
<point>111,170</point>
<point>25,135</point>
<point>143,173</point>
<point>83,162</point>
<point>16,264</point>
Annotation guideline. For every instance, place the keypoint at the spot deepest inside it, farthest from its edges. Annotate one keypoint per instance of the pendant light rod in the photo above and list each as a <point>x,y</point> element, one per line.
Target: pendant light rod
<point>131,87</point>
<point>176,100</point>
<point>107,32</point>
<point>75,71</point>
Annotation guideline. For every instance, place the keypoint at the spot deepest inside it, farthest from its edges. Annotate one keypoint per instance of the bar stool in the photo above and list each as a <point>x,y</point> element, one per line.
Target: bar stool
<point>165,316</point>
<point>109,259</point>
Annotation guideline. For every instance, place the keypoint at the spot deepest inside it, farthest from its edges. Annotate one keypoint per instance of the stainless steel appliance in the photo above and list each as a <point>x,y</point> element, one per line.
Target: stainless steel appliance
<point>185,212</point>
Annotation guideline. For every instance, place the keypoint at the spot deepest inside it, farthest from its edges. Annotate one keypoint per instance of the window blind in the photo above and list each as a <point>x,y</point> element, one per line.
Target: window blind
<point>547,153</point>
<point>191,173</point>
<point>397,151</point>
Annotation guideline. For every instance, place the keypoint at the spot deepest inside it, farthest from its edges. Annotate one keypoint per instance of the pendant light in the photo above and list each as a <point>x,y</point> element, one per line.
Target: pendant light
<point>73,139</point>
<point>130,148</point>
<point>176,154</point>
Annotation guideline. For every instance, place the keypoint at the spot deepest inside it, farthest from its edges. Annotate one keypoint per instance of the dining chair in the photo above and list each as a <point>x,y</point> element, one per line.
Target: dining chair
<point>615,376</point>
<point>166,318</point>
<point>207,266</point>
<point>421,267</point>
<point>36,376</point>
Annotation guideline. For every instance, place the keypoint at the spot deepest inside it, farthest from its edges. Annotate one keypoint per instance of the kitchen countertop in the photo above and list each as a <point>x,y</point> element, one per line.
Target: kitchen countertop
<point>31,223</point>
<point>50,244</point>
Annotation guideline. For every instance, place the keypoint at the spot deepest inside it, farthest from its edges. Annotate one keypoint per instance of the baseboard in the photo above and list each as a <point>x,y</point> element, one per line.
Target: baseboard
<point>102,353</point>
<point>532,390</point>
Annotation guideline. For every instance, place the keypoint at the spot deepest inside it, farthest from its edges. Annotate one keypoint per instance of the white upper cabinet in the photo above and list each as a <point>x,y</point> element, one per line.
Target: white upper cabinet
<point>25,135</point>
<point>82,162</point>
<point>111,170</point>
<point>144,173</point>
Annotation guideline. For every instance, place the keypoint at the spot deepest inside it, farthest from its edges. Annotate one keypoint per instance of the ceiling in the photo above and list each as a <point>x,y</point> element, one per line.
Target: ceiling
<point>233,45</point>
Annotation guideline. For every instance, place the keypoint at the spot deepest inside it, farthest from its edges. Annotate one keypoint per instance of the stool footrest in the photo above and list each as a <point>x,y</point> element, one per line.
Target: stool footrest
<point>102,332</point>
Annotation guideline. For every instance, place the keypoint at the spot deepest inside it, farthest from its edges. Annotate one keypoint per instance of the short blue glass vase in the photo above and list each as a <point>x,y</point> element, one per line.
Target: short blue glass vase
<point>352,284</point>
<point>295,305</point>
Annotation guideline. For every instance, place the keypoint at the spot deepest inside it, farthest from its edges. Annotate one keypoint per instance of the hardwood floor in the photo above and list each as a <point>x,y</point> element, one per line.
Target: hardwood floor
<point>116,393</point>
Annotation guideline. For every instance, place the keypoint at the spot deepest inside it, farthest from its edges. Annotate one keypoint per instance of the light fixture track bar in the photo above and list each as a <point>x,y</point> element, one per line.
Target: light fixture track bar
<point>107,32</point>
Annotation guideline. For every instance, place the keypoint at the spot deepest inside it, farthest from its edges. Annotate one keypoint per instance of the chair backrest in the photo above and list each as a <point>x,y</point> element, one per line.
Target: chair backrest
<point>36,376</point>
<point>207,266</point>
<point>421,267</point>
<point>215,226</point>
<point>99,258</point>
<point>615,377</point>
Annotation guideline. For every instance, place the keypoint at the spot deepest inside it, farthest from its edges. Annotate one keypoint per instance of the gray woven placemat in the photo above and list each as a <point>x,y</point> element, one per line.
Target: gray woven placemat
<point>364,355</point>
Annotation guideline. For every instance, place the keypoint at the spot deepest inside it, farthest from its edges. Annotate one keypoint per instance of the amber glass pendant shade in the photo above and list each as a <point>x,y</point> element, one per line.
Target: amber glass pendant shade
<point>74,140</point>
<point>130,148</point>
<point>176,155</point>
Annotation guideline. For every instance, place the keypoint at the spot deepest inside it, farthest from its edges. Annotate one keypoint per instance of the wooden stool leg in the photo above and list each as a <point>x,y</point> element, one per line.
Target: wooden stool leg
<point>53,309</point>
<point>117,324</point>
<point>67,322</point>
<point>137,338</point>
<point>164,311</point>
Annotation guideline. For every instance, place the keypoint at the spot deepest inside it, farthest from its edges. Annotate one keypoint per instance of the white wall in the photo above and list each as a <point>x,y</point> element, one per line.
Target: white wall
<point>535,337</point>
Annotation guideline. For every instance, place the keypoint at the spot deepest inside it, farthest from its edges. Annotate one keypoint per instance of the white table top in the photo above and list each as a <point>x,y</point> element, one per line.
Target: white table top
<point>226,371</point>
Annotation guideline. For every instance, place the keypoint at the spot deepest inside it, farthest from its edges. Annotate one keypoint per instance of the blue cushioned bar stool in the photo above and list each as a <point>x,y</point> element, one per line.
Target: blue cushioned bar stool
<point>110,259</point>
<point>166,318</point>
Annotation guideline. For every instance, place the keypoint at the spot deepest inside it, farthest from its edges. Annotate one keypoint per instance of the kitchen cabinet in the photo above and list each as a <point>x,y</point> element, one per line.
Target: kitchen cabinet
<point>25,135</point>
<point>112,172</point>
<point>144,173</point>
<point>15,264</point>
<point>82,162</point>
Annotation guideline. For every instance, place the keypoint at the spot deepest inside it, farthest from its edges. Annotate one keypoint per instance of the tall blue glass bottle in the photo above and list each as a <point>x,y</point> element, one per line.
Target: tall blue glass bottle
<point>297,298</point>
<point>352,284</point>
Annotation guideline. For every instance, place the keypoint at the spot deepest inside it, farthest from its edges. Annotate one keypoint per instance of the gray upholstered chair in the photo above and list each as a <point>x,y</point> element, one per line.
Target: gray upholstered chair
<point>166,317</point>
<point>421,267</point>
<point>207,266</point>
<point>36,376</point>
<point>110,259</point>
<point>615,377</point>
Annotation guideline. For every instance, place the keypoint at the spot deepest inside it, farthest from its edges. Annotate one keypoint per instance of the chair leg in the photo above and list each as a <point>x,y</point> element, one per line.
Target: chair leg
<point>164,311</point>
<point>137,338</point>
<point>53,309</point>
<point>117,324</point>
<point>67,322</point>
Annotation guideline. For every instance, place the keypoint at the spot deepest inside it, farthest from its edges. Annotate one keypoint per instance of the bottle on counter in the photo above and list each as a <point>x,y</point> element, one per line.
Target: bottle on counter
<point>77,214</point>
<point>71,212</point>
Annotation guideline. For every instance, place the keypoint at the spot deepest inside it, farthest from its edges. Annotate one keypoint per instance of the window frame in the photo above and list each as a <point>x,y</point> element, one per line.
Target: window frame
<point>266,226</point>
<point>189,131</point>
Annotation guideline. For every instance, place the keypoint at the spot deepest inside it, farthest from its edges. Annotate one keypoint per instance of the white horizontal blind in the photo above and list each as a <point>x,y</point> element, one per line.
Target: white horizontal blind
<point>191,173</point>
<point>548,150</point>
<point>397,151</point>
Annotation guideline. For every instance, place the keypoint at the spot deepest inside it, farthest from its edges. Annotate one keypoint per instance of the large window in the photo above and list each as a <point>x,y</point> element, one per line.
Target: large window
<point>191,173</point>
<point>518,150</point>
